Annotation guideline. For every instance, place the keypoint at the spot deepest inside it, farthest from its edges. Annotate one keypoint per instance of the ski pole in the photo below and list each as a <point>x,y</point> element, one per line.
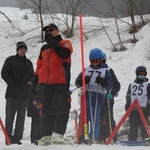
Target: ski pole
<point>74,115</point>
<point>109,116</point>
<point>95,112</point>
<point>91,113</point>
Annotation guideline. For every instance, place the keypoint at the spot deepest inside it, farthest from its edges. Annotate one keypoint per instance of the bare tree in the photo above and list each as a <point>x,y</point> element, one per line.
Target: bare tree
<point>70,9</point>
<point>37,8</point>
<point>14,26</point>
<point>117,27</point>
<point>117,31</point>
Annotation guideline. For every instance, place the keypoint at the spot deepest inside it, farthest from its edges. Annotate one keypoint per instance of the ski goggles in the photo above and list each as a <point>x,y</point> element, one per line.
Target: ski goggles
<point>142,73</point>
<point>95,61</point>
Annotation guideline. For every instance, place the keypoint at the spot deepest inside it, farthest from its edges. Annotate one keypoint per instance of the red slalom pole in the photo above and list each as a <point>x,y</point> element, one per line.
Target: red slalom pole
<point>5,133</point>
<point>134,104</point>
<point>121,122</point>
<point>143,119</point>
<point>83,97</point>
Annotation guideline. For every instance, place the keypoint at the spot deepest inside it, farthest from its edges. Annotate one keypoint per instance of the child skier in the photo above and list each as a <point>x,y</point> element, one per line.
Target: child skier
<point>33,110</point>
<point>108,122</point>
<point>138,89</point>
<point>97,82</point>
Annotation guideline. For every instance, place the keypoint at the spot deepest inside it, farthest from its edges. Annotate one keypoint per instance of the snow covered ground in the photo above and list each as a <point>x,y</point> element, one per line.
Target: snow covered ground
<point>123,63</point>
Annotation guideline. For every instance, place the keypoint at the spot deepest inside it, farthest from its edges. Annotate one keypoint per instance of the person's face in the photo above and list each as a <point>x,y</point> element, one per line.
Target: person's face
<point>95,62</point>
<point>22,51</point>
<point>54,32</point>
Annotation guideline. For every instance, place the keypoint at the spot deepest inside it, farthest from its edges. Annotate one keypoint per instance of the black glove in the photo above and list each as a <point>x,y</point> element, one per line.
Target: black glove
<point>29,108</point>
<point>148,107</point>
<point>78,83</point>
<point>34,84</point>
<point>35,80</point>
<point>87,79</point>
<point>101,80</point>
<point>49,38</point>
<point>127,105</point>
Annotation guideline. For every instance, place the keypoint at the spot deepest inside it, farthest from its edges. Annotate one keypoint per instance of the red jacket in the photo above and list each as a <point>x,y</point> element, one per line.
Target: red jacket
<point>54,62</point>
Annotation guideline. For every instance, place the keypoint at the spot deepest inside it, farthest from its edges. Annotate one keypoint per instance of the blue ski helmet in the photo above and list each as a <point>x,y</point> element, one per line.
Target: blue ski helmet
<point>95,53</point>
<point>140,69</point>
<point>104,56</point>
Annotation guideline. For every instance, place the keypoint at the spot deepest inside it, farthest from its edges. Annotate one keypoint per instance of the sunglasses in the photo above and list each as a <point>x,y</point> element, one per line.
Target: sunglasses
<point>50,30</point>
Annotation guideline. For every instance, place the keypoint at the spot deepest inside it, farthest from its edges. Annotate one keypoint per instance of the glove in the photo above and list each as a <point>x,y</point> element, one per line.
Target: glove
<point>109,96</point>
<point>29,109</point>
<point>49,38</point>
<point>148,103</point>
<point>148,107</point>
<point>127,106</point>
<point>87,79</point>
<point>100,80</point>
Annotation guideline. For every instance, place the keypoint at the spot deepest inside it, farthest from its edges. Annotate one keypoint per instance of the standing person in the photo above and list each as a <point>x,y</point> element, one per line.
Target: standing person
<point>34,110</point>
<point>17,72</point>
<point>108,122</point>
<point>53,70</point>
<point>97,82</point>
<point>139,89</point>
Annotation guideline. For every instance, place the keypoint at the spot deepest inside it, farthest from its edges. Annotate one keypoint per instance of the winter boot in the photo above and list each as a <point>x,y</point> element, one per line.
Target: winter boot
<point>44,141</point>
<point>59,139</point>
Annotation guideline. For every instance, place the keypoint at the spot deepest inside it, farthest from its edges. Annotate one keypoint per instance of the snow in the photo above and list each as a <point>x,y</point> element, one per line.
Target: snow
<point>123,63</point>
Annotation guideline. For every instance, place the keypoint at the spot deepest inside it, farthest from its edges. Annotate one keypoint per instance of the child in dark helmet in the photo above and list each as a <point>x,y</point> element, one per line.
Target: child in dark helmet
<point>97,82</point>
<point>139,89</point>
<point>108,122</point>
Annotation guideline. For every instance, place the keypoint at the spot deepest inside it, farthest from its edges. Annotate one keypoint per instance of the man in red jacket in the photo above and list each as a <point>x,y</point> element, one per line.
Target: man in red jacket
<point>53,70</point>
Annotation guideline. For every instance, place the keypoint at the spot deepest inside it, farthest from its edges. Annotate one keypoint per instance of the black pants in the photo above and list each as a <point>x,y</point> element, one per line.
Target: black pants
<point>15,106</point>
<point>55,108</point>
<point>35,128</point>
<point>135,122</point>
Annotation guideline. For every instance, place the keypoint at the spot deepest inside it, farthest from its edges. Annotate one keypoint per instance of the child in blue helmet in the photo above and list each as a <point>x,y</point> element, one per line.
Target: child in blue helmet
<point>98,81</point>
<point>108,122</point>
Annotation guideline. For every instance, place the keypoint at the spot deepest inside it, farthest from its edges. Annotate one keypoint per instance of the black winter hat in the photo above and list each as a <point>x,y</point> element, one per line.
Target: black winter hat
<point>21,44</point>
<point>140,69</point>
<point>51,26</point>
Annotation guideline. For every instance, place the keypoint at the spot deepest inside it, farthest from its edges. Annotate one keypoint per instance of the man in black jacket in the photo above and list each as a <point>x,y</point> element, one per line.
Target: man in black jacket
<point>17,72</point>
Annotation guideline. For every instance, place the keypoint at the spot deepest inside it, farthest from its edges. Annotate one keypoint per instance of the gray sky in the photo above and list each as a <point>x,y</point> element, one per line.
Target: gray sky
<point>8,3</point>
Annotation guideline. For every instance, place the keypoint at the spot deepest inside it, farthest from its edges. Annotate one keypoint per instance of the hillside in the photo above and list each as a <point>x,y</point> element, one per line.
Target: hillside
<point>123,63</point>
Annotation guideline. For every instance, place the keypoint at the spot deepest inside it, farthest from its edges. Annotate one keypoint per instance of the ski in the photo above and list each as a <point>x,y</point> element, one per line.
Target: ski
<point>133,143</point>
<point>147,139</point>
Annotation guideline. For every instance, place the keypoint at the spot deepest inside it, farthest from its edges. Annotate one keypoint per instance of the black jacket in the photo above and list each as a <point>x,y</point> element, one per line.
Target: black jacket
<point>16,72</point>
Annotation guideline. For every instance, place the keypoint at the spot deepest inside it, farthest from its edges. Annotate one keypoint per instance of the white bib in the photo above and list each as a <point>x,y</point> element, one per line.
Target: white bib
<point>93,73</point>
<point>139,92</point>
